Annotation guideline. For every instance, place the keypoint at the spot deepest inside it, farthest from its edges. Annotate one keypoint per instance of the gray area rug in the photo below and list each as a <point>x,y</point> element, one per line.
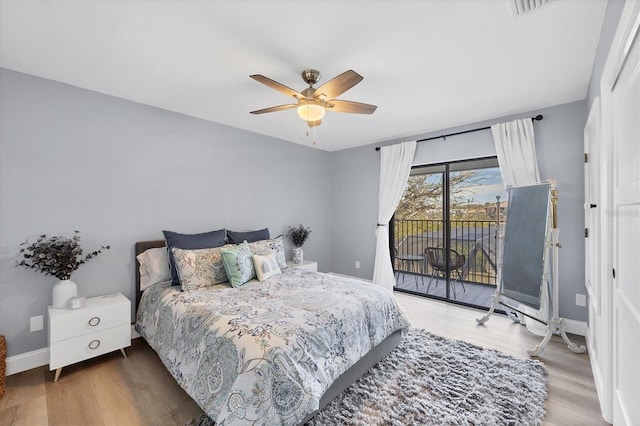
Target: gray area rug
<point>432,380</point>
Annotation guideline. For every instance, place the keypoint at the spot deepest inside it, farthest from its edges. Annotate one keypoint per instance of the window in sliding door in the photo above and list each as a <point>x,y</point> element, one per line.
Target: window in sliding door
<point>443,243</point>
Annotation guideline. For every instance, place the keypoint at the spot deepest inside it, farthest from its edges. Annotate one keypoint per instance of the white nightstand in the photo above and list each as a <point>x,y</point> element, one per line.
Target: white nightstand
<point>102,326</point>
<point>308,265</point>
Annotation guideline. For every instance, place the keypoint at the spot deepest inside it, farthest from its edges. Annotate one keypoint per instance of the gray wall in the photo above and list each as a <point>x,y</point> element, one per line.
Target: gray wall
<point>120,172</point>
<point>559,147</point>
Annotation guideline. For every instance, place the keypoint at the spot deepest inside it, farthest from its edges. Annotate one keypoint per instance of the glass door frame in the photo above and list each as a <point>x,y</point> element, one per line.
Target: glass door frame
<point>446,206</point>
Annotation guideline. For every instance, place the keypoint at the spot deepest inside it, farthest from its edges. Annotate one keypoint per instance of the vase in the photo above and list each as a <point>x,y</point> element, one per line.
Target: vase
<point>297,255</point>
<point>62,292</point>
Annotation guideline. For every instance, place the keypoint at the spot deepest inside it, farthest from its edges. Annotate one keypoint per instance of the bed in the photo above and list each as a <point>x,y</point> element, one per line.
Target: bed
<point>271,352</point>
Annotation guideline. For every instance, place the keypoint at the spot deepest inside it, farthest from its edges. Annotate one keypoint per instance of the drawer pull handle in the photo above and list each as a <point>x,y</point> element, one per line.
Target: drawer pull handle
<point>94,321</point>
<point>94,344</point>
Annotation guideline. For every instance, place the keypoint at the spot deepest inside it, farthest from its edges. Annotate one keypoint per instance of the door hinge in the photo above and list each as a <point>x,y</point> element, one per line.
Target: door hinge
<point>586,232</point>
<point>586,157</point>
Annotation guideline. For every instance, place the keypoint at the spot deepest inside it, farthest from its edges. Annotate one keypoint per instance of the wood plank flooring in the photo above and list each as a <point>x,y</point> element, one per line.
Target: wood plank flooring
<point>112,390</point>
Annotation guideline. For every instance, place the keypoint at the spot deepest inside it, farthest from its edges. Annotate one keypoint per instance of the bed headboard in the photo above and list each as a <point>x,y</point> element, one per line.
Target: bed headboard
<point>140,247</point>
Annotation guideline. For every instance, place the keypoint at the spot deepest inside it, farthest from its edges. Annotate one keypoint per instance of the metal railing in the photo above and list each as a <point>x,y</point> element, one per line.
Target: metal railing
<point>473,238</point>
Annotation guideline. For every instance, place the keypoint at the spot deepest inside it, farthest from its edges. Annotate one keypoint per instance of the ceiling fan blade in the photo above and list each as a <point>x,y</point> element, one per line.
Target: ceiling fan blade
<point>277,86</point>
<point>314,123</point>
<point>274,109</point>
<point>337,105</point>
<point>338,85</point>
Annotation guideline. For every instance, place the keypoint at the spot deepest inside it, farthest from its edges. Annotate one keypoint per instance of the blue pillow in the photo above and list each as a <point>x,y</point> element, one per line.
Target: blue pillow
<point>191,242</point>
<point>249,236</point>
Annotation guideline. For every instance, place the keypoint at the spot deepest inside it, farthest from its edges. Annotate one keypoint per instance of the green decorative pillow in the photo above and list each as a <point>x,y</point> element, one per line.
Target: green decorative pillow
<point>266,266</point>
<point>199,268</point>
<point>238,264</point>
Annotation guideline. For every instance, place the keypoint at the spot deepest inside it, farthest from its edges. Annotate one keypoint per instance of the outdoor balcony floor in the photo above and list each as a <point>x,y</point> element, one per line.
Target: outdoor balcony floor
<point>474,294</point>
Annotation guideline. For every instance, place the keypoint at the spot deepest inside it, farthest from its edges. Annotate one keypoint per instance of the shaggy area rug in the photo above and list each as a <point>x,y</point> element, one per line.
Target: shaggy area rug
<point>430,380</point>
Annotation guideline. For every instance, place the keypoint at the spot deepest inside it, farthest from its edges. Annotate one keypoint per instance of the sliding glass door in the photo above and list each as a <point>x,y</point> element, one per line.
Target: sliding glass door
<point>443,243</point>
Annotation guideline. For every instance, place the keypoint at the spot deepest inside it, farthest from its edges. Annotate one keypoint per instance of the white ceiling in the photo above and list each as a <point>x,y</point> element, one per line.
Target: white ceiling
<point>428,65</point>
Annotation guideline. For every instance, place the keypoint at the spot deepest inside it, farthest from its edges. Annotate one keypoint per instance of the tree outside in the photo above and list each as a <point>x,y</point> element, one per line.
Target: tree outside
<point>419,218</point>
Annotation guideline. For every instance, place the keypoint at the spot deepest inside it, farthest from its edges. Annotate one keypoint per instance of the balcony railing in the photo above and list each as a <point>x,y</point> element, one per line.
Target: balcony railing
<point>473,238</point>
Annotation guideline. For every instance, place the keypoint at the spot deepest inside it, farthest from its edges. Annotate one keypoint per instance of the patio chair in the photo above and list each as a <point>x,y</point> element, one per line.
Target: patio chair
<point>436,259</point>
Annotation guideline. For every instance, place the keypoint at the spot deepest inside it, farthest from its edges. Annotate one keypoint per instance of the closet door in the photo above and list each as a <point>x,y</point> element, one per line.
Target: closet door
<point>598,335</point>
<point>622,90</point>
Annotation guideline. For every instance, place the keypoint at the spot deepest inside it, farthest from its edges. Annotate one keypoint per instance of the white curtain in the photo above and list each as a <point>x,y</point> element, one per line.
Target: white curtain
<point>516,150</point>
<point>395,166</point>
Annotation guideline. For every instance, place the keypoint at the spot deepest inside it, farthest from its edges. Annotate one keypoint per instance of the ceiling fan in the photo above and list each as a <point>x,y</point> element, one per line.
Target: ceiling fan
<point>313,103</point>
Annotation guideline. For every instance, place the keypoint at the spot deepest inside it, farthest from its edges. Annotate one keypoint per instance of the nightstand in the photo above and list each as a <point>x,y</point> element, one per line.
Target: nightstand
<point>102,326</point>
<point>308,265</point>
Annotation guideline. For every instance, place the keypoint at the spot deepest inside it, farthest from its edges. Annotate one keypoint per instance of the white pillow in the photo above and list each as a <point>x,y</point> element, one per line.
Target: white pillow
<point>266,266</point>
<point>154,267</point>
<point>274,245</point>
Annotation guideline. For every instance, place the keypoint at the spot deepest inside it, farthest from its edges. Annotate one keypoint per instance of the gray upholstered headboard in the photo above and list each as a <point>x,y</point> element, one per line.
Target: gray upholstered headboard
<point>140,247</point>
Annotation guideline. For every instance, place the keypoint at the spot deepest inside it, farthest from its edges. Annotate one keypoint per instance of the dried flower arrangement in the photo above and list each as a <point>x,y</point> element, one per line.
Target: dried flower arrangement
<point>299,235</point>
<point>57,256</point>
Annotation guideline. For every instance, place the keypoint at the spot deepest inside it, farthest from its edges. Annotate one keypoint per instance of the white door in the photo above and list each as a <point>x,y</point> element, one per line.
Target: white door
<point>625,166</point>
<point>598,332</point>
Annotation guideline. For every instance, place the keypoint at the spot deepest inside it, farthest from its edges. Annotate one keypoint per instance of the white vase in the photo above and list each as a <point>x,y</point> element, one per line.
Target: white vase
<point>297,255</point>
<point>62,292</point>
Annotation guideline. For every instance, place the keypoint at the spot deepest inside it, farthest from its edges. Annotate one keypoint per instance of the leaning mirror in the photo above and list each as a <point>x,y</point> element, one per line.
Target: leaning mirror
<point>526,232</point>
<point>528,261</point>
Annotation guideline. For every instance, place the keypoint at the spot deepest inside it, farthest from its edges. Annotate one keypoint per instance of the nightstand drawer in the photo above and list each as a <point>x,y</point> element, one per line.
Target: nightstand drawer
<point>100,313</point>
<point>77,349</point>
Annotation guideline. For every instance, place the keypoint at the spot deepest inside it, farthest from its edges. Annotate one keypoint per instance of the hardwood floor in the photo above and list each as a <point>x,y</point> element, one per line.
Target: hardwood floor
<point>112,390</point>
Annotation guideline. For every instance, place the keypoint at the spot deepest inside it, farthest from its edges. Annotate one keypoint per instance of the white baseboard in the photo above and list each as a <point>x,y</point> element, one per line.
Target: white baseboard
<point>349,276</point>
<point>34,359</point>
<point>575,327</point>
<point>27,361</point>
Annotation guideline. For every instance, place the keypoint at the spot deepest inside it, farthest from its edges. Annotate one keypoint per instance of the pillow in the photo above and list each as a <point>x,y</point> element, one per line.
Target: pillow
<point>249,236</point>
<point>275,245</point>
<point>191,241</point>
<point>199,268</point>
<point>266,266</point>
<point>238,264</point>
<point>154,267</point>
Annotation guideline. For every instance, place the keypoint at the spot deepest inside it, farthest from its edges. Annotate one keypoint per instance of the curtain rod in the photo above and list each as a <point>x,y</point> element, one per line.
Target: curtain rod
<point>536,118</point>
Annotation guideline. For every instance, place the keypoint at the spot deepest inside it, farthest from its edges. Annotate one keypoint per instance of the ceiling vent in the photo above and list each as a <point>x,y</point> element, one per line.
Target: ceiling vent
<point>522,7</point>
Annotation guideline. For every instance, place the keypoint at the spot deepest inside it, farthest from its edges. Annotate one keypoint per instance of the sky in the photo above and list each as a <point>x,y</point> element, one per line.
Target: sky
<point>483,192</point>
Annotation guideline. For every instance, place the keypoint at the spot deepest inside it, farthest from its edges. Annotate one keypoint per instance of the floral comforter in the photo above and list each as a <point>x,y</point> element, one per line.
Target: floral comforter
<point>265,353</point>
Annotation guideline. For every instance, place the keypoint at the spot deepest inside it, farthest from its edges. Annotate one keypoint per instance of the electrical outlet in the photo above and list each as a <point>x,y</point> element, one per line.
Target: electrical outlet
<point>581,299</point>
<point>36,323</point>
<point>357,264</point>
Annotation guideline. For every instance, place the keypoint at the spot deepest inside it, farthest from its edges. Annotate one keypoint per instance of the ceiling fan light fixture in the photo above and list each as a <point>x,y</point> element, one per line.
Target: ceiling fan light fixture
<point>313,103</point>
<point>311,110</point>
